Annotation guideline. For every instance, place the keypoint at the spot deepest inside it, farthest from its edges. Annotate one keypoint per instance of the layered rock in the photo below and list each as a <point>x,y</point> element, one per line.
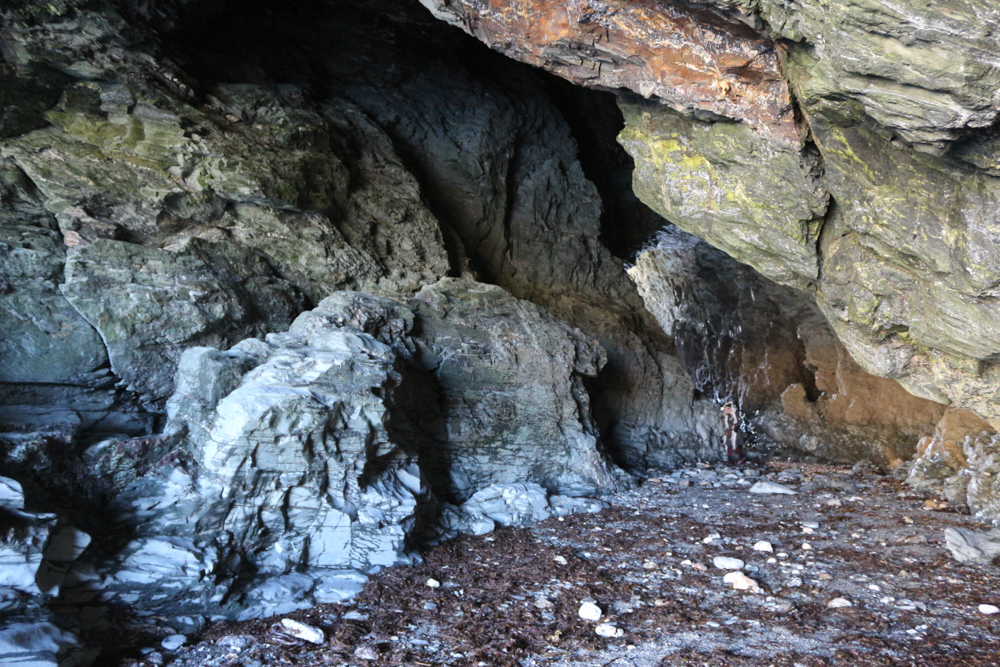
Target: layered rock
<point>770,350</point>
<point>691,57</point>
<point>322,452</point>
<point>927,72</point>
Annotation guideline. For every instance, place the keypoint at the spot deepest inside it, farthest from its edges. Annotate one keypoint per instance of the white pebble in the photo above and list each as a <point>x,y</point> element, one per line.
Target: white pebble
<point>838,603</point>
<point>608,630</point>
<point>561,560</point>
<point>727,563</point>
<point>763,545</point>
<point>433,583</point>
<point>741,582</point>
<point>807,546</point>
<point>306,633</point>
<point>590,612</point>
<point>989,609</point>
<point>174,642</point>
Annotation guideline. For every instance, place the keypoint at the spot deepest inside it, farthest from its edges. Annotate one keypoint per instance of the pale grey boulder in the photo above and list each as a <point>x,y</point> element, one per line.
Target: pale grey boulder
<point>512,403</point>
<point>971,547</point>
<point>39,644</point>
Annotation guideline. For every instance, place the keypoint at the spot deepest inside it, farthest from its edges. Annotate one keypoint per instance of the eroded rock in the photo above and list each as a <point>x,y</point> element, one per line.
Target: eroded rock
<point>693,58</point>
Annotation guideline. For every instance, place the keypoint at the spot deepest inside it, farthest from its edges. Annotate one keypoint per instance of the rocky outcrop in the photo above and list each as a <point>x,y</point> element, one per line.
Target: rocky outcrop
<point>323,452</point>
<point>762,203</point>
<point>887,209</point>
<point>690,57</point>
<point>769,349</point>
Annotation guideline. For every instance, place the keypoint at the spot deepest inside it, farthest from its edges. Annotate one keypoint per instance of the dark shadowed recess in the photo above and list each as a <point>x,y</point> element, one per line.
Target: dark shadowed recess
<point>329,47</point>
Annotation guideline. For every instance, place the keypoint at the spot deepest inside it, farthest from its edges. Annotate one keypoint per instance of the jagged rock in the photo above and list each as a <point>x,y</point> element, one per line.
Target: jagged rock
<point>530,421</point>
<point>971,547</point>
<point>960,462</point>
<point>299,457</point>
<point>983,470</point>
<point>149,304</point>
<point>762,203</point>
<point>695,61</point>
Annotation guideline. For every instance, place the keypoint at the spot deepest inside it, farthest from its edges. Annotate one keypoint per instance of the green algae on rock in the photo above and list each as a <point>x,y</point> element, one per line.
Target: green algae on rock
<point>760,202</point>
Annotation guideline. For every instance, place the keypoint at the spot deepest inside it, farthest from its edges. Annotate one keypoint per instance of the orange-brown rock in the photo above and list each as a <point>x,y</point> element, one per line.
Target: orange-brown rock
<point>690,57</point>
<point>949,436</point>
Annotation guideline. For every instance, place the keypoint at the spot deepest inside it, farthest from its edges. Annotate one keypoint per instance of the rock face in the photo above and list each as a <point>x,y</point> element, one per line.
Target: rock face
<point>762,203</point>
<point>769,349</point>
<point>897,100</point>
<point>926,72</point>
<point>689,57</point>
<point>314,454</point>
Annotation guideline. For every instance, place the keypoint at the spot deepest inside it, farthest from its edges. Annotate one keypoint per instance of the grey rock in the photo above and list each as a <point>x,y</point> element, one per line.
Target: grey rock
<point>956,491</point>
<point>983,491</point>
<point>512,409</point>
<point>34,644</point>
<point>763,487</point>
<point>565,505</point>
<point>173,642</point>
<point>150,304</point>
<point>307,633</point>
<point>971,547</point>
<point>517,504</point>
<point>728,563</point>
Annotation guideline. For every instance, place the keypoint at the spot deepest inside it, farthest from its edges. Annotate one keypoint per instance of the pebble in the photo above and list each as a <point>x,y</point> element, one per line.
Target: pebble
<point>608,630</point>
<point>543,603</point>
<point>727,563</point>
<point>771,487</point>
<point>989,609</point>
<point>839,603</point>
<point>590,612</point>
<point>366,653</point>
<point>236,642</point>
<point>433,583</point>
<point>741,582</point>
<point>807,546</point>
<point>561,560</point>
<point>306,633</point>
<point>763,545</point>
<point>173,642</point>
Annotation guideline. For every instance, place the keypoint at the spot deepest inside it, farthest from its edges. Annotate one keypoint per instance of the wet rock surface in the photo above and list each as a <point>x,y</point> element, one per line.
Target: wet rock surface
<point>853,579</point>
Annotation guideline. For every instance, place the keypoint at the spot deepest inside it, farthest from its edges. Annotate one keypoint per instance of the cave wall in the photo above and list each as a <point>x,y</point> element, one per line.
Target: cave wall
<point>879,195</point>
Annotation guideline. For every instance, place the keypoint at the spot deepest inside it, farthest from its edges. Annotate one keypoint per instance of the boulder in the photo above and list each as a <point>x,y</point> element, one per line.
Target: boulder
<point>971,547</point>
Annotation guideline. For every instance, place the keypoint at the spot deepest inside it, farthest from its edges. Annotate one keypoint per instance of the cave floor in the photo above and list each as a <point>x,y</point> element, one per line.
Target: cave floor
<point>512,597</point>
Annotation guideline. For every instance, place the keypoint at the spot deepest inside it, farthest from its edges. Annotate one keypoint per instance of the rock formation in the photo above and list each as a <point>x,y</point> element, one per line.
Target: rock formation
<point>897,103</point>
<point>283,297</point>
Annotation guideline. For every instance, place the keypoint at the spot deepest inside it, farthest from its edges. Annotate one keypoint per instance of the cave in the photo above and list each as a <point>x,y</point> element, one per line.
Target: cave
<point>339,332</point>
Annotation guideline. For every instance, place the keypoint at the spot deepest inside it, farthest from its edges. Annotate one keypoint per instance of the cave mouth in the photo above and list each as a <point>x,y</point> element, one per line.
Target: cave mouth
<point>347,284</point>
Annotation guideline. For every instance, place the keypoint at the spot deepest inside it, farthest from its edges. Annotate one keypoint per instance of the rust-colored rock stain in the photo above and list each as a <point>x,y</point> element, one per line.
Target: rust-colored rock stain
<point>690,57</point>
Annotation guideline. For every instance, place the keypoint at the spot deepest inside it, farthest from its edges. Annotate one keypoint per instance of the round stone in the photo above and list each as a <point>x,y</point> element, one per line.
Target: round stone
<point>590,612</point>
